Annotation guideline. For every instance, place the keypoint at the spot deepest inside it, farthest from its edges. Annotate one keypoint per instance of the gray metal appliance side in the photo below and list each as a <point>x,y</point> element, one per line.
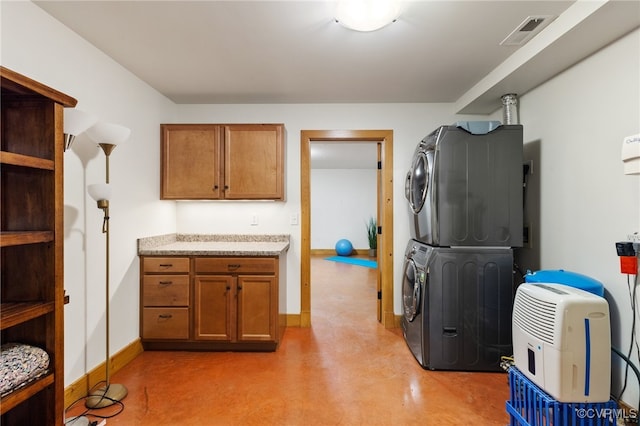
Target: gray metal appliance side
<point>474,193</point>
<point>467,308</point>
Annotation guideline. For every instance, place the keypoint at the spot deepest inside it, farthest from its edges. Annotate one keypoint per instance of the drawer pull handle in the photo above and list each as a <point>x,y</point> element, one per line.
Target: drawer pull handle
<point>165,316</point>
<point>166,265</point>
<point>165,282</point>
<point>233,266</point>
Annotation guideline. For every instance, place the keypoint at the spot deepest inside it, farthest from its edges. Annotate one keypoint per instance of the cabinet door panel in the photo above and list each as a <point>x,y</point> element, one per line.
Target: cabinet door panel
<point>257,308</point>
<point>214,307</point>
<point>190,162</point>
<point>253,162</point>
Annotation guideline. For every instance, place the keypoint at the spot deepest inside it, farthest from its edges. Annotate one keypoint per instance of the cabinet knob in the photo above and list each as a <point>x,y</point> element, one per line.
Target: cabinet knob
<point>239,287</point>
<point>226,187</point>
<point>228,287</point>
<point>215,187</point>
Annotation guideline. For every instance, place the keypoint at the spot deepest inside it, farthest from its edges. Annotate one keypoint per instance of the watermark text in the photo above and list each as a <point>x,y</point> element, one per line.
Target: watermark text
<point>609,414</point>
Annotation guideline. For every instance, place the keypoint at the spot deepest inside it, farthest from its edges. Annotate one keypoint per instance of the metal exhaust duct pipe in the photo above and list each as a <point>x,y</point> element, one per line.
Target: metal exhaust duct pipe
<point>510,109</point>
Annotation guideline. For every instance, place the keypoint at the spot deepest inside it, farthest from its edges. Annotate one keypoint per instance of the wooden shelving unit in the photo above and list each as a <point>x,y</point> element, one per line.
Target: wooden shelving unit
<point>31,240</point>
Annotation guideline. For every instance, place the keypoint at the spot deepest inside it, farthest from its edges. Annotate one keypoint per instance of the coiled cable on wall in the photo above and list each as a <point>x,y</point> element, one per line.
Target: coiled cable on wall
<point>627,358</point>
<point>629,364</point>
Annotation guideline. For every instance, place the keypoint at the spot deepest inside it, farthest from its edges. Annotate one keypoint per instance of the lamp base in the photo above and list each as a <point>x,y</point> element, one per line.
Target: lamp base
<point>106,396</point>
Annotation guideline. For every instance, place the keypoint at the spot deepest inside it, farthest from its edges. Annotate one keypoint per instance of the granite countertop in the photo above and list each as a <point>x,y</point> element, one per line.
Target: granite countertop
<point>213,245</point>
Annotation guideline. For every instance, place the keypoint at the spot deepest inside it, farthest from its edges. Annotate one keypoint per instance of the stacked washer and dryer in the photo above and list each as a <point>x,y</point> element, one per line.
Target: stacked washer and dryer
<point>466,206</point>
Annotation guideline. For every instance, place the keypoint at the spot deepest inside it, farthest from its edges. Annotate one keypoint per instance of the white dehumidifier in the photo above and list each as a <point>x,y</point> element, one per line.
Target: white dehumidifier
<point>562,341</point>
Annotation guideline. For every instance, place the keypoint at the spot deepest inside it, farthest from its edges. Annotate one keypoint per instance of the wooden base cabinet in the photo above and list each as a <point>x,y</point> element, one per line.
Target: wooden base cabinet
<point>234,306</point>
<point>165,298</point>
<point>236,309</point>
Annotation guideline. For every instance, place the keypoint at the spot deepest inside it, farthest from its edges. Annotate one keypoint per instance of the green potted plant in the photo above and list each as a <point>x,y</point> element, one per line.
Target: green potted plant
<point>372,236</point>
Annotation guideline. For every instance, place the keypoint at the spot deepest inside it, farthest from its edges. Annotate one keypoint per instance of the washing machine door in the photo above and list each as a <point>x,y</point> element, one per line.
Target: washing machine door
<point>411,290</point>
<point>420,178</point>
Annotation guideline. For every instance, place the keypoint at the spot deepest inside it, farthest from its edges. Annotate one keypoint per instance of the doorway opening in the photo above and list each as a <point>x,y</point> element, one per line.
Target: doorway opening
<point>384,140</point>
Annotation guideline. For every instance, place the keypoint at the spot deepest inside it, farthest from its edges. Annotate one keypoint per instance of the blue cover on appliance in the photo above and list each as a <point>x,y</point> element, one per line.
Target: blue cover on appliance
<point>478,127</point>
<point>572,279</point>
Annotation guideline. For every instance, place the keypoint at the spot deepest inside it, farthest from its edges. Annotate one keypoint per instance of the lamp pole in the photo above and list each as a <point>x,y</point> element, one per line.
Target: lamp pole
<point>107,148</point>
<point>110,393</point>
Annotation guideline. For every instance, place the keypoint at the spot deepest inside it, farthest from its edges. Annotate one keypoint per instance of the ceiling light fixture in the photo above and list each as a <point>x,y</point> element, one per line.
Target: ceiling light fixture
<point>367,15</point>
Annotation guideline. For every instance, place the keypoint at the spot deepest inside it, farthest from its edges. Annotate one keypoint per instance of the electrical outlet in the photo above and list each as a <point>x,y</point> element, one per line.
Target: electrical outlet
<point>254,219</point>
<point>635,240</point>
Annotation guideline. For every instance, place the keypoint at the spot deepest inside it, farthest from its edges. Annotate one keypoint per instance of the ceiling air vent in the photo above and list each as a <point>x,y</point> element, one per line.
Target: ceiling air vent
<point>527,29</point>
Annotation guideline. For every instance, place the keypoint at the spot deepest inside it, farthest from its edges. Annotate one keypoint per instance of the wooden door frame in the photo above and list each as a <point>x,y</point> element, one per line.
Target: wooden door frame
<point>385,207</point>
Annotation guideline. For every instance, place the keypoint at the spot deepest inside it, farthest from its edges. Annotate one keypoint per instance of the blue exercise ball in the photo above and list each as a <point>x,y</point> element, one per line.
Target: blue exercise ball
<point>344,247</point>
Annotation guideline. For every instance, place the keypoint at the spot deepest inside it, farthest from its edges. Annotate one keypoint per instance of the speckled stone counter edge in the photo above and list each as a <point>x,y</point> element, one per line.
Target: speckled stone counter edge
<point>150,245</point>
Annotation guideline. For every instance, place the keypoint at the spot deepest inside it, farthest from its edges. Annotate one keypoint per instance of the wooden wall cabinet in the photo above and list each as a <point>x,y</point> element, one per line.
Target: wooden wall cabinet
<point>222,161</point>
<point>233,303</point>
<point>31,244</point>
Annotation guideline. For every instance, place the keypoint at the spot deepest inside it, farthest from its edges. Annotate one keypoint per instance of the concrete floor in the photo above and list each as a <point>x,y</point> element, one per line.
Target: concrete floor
<point>344,370</point>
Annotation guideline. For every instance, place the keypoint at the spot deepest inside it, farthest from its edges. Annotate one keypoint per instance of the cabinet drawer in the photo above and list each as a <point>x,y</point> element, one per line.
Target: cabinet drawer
<point>165,323</point>
<point>236,265</point>
<point>166,264</point>
<point>165,290</point>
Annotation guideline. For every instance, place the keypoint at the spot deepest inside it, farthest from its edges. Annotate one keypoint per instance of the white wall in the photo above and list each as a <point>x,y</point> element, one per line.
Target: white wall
<point>580,201</point>
<point>342,201</point>
<point>36,45</point>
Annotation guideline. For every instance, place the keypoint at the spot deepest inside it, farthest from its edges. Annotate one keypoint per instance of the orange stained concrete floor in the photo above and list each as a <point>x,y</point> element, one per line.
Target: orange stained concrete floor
<point>346,369</point>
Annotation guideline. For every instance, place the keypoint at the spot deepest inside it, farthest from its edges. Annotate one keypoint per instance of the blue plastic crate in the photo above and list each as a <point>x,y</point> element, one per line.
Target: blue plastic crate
<point>529,405</point>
